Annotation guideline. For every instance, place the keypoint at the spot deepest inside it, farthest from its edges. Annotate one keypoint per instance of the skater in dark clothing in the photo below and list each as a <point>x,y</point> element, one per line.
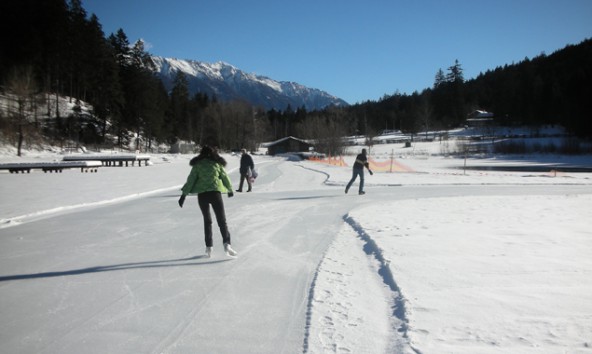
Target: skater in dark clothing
<point>246,168</point>
<point>209,180</point>
<point>358,170</point>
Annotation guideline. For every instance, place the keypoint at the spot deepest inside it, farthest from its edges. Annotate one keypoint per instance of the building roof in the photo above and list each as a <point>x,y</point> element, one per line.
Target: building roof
<point>285,139</point>
<point>480,114</point>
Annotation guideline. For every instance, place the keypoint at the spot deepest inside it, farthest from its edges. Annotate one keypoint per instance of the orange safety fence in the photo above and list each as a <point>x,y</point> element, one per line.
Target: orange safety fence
<point>390,165</point>
<point>334,161</point>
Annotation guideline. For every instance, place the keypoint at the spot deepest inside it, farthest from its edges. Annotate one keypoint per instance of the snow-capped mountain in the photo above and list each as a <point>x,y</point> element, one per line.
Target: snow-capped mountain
<point>227,83</point>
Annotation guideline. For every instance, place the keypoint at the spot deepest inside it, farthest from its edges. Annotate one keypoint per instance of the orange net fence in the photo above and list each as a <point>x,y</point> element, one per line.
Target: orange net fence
<point>390,165</point>
<point>331,160</point>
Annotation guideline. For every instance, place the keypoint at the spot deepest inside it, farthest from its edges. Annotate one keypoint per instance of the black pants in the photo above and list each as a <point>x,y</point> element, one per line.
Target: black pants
<point>215,200</point>
<point>355,173</point>
<point>244,176</point>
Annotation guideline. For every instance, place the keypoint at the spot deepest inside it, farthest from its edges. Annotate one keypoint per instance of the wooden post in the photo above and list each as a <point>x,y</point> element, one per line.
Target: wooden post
<point>392,157</point>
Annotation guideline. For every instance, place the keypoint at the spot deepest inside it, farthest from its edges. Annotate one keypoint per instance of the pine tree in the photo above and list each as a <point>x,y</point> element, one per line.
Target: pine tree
<point>455,73</point>
<point>439,79</point>
<point>79,63</point>
<point>121,46</point>
<point>179,101</point>
<point>140,58</point>
<point>21,85</point>
<point>106,94</point>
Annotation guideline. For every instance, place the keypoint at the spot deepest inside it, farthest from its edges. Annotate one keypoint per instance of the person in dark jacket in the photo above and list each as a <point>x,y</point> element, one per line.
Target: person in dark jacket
<point>358,170</point>
<point>246,168</point>
<point>209,180</point>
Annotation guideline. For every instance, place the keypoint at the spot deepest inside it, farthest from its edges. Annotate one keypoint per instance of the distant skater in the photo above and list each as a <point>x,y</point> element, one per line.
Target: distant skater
<point>247,166</point>
<point>209,180</point>
<point>358,170</point>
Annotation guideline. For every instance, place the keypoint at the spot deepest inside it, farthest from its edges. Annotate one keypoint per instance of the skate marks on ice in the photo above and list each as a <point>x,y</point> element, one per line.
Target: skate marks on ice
<point>348,307</point>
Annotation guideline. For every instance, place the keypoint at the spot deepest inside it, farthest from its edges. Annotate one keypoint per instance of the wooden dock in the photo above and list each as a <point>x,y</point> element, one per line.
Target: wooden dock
<point>57,167</point>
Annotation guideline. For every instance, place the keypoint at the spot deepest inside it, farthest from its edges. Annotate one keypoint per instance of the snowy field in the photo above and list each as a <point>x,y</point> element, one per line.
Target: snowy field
<point>432,260</point>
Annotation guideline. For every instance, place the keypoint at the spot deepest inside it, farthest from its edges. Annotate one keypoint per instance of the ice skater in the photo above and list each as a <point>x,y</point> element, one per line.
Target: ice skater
<point>209,180</point>
<point>246,169</point>
<point>358,170</point>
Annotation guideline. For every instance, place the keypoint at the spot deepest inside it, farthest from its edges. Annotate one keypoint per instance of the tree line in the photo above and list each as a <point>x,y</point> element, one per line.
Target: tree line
<point>548,89</point>
<point>58,49</point>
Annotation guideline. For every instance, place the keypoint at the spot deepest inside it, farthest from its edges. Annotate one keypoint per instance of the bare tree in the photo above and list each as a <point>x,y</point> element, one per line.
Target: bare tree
<point>21,85</point>
<point>239,127</point>
<point>327,130</point>
<point>425,116</point>
<point>371,136</point>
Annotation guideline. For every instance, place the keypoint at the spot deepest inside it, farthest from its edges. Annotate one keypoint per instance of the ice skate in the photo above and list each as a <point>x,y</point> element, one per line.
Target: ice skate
<point>229,251</point>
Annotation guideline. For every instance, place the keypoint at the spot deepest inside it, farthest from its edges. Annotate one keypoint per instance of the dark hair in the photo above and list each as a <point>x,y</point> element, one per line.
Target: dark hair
<point>210,153</point>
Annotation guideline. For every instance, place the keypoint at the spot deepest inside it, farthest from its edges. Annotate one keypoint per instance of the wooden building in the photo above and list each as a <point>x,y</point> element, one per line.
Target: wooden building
<point>479,118</point>
<point>288,144</point>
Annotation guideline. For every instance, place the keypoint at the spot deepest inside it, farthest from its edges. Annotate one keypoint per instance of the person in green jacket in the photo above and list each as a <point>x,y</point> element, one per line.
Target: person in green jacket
<point>209,180</point>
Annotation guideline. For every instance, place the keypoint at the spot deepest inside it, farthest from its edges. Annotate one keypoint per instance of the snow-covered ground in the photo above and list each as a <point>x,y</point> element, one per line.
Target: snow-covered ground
<point>435,260</point>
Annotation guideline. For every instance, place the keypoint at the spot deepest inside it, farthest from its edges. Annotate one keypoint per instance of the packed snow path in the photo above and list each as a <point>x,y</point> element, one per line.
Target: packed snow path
<point>131,276</point>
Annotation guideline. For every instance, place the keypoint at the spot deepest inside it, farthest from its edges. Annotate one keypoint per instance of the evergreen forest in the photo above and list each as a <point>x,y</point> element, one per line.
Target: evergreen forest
<point>54,48</point>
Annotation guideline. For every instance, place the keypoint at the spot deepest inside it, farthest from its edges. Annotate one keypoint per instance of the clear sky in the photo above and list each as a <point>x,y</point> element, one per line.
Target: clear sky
<point>353,49</point>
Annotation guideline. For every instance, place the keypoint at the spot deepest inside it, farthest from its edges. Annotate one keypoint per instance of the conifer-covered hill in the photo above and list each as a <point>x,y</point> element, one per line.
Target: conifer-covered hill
<point>548,89</point>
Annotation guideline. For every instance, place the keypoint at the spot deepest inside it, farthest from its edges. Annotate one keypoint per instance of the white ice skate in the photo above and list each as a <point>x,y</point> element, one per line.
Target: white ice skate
<point>229,251</point>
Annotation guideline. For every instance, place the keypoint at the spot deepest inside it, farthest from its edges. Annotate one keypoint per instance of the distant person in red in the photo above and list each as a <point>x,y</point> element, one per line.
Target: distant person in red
<point>358,170</point>
<point>246,169</point>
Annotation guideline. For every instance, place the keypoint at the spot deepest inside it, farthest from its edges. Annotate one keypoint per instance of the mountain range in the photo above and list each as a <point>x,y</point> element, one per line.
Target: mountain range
<point>228,83</point>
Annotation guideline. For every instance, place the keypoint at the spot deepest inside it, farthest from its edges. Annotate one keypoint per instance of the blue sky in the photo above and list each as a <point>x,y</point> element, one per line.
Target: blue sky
<point>356,50</point>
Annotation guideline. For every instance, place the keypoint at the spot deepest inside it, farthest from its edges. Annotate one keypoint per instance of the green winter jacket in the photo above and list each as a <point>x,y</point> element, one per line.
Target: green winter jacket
<point>207,176</point>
